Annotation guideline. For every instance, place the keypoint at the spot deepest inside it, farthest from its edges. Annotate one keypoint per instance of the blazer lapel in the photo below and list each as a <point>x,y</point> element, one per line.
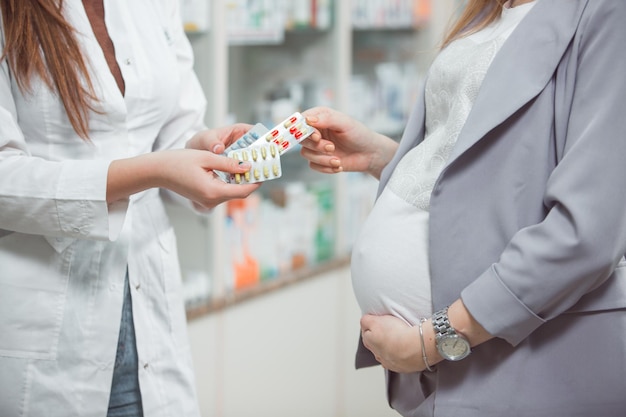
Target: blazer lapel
<point>522,68</point>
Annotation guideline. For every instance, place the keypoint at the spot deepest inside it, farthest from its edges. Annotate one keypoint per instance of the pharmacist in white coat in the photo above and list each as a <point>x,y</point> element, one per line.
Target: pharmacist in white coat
<point>84,235</point>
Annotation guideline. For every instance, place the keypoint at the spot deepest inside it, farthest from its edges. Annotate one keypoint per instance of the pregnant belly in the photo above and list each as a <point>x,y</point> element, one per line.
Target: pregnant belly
<point>390,272</point>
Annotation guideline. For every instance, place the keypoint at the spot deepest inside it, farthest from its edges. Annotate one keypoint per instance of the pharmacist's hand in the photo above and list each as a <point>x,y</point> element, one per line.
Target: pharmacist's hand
<point>394,343</point>
<point>341,143</point>
<point>190,173</point>
<point>216,140</point>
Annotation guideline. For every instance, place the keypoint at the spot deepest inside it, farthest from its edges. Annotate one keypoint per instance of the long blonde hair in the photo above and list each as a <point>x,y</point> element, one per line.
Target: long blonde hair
<point>476,14</point>
<point>40,42</point>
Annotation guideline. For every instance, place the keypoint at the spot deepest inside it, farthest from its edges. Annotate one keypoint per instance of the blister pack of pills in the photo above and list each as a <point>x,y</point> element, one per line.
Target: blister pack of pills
<point>245,141</point>
<point>263,147</point>
<point>265,160</point>
<point>288,133</point>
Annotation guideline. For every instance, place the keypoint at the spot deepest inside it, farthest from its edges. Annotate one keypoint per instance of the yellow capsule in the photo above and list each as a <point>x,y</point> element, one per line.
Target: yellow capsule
<point>245,156</point>
<point>255,155</point>
<point>266,172</point>
<point>238,178</point>
<point>247,175</point>
<point>263,153</point>
<point>273,151</point>
<point>275,169</point>
<point>257,174</point>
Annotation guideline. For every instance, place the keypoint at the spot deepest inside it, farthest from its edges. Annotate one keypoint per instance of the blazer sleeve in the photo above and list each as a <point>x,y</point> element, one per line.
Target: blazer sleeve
<point>548,267</point>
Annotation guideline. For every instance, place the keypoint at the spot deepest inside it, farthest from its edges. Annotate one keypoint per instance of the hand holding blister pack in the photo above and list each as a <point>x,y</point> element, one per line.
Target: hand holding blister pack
<point>263,147</point>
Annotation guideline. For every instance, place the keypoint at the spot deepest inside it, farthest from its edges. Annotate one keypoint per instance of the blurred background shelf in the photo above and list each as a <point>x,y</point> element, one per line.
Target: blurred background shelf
<point>260,61</point>
<point>200,308</point>
<point>273,322</point>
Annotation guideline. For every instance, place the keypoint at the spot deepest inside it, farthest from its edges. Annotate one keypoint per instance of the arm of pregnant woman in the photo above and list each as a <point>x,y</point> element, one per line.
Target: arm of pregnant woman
<point>396,345</point>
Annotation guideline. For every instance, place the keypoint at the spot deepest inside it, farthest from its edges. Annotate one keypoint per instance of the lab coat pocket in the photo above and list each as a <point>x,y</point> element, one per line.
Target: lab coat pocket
<point>33,285</point>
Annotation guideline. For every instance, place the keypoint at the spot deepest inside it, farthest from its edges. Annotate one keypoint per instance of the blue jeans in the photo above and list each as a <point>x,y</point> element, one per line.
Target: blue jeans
<point>125,399</point>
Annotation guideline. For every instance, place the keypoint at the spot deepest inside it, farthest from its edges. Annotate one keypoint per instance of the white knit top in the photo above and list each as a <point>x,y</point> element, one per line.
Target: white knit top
<point>390,269</point>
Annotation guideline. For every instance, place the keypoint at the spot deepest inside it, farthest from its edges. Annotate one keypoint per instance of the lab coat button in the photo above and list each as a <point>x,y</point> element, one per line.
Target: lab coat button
<point>128,61</point>
<point>137,287</point>
<point>145,366</point>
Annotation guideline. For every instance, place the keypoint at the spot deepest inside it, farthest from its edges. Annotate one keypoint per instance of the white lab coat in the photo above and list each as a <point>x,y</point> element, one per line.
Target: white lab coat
<point>64,252</point>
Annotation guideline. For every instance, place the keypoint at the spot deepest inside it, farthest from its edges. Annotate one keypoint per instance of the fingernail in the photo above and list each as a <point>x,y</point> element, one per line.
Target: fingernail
<point>312,119</point>
<point>216,148</point>
<point>335,162</point>
<point>329,148</point>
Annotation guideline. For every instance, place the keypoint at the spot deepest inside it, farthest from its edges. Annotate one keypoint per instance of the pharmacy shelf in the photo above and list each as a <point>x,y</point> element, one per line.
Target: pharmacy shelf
<point>200,309</point>
<point>339,65</point>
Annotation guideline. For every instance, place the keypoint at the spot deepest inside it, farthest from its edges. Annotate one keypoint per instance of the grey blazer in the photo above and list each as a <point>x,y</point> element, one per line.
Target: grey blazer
<point>528,226</point>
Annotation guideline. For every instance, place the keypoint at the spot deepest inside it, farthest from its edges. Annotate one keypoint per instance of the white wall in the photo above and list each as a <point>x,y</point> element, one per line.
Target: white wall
<point>287,353</point>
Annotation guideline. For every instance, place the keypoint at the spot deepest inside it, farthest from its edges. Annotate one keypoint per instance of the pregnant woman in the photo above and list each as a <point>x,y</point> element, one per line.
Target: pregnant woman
<point>499,228</point>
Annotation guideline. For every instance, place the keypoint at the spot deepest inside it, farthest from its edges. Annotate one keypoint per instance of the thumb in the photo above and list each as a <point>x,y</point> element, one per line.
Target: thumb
<point>206,140</point>
<point>367,321</point>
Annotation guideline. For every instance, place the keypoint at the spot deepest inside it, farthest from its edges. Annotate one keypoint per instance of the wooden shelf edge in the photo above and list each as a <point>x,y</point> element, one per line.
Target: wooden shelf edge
<point>264,287</point>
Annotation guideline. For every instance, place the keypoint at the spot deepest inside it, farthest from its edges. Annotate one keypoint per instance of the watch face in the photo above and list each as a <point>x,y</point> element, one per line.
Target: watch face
<point>453,347</point>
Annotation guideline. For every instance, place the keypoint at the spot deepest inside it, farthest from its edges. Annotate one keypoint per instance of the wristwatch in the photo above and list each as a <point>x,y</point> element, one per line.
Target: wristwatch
<point>450,344</point>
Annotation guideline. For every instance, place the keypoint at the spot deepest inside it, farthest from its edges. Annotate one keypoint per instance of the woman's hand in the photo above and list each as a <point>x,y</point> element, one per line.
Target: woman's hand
<point>188,172</point>
<point>343,144</point>
<point>394,343</point>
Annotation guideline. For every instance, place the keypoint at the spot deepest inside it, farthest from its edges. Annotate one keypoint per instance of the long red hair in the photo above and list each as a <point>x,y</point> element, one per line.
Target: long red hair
<point>475,15</point>
<point>40,42</point>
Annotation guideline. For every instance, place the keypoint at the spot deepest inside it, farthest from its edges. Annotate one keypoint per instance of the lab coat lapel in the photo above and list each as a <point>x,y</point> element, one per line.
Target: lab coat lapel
<point>522,68</point>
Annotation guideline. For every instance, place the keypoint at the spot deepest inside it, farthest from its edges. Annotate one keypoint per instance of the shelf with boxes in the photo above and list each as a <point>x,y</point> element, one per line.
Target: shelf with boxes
<point>388,61</point>
<point>260,61</point>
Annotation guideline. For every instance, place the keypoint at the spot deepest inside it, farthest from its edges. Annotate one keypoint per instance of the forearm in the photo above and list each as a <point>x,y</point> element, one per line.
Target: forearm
<point>463,322</point>
<point>132,175</point>
<point>382,154</point>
